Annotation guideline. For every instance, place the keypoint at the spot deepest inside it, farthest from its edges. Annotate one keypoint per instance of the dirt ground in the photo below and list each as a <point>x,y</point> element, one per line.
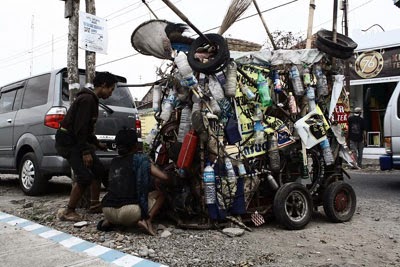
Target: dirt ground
<point>371,238</point>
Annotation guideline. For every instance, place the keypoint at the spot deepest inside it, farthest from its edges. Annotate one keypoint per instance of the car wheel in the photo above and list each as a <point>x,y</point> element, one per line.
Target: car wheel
<point>343,42</point>
<point>292,206</point>
<point>332,51</point>
<point>339,201</point>
<point>215,62</point>
<point>31,180</point>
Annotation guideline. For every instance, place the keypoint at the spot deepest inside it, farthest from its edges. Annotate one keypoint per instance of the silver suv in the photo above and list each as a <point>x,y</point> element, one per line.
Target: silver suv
<point>30,112</point>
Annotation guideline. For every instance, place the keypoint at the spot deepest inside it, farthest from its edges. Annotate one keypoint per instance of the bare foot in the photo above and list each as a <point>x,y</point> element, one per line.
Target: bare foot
<point>146,225</point>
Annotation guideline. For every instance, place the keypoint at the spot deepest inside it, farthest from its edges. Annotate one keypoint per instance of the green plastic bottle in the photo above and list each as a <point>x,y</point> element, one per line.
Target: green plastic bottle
<point>263,91</point>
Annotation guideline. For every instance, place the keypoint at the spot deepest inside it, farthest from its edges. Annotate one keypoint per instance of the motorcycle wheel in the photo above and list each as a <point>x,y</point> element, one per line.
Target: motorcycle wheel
<point>339,201</point>
<point>293,206</point>
<point>215,63</point>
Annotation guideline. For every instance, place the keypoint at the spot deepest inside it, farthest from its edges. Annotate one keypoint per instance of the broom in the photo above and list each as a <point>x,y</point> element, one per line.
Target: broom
<point>235,10</point>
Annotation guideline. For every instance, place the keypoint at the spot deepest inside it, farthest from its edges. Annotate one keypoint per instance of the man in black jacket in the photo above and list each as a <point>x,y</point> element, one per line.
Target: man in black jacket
<point>356,134</point>
<point>76,141</point>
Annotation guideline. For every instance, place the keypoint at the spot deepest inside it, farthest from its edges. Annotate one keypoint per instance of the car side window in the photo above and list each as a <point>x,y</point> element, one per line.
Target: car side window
<point>36,91</point>
<point>7,101</point>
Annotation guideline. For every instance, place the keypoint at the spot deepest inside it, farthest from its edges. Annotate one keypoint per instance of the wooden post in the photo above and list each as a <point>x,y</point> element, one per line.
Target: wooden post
<point>265,25</point>
<point>310,23</point>
<point>90,56</point>
<point>72,53</point>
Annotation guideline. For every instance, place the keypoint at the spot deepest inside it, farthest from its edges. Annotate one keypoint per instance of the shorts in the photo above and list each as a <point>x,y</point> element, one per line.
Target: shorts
<point>128,215</point>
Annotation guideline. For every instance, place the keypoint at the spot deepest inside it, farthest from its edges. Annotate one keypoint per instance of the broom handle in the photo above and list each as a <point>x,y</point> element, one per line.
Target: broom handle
<point>185,19</point>
<point>265,25</point>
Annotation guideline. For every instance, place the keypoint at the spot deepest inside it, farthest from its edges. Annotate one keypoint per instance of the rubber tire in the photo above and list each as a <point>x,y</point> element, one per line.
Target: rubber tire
<point>330,194</point>
<point>284,193</point>
<point>220,60</point>
<point>334,52</point>
<point>31,185</point>
<point>343,42</point>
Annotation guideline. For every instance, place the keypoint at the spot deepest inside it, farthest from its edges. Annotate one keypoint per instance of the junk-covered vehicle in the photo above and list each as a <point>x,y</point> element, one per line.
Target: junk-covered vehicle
<point>30,112</point>
<point>246,135</point>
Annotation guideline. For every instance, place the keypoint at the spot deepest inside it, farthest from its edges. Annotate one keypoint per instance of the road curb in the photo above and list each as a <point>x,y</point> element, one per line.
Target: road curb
<point>78,245</point>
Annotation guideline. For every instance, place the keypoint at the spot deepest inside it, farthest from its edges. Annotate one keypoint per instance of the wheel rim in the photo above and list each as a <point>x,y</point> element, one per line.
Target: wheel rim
<point>296,206</point>
<point>28,174</point>
<point>342,202</point>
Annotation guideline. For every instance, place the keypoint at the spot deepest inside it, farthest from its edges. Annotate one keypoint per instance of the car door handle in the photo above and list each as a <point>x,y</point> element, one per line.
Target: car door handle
<point>9,120</point>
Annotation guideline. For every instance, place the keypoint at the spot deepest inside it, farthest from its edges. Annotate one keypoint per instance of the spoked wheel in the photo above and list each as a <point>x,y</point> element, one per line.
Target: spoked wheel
<point>339,202</point>
<point>293,206</point>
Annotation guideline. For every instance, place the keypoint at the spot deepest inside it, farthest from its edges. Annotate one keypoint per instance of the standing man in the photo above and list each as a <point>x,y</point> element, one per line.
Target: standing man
<point>76,142</point>
<point>356,134</point>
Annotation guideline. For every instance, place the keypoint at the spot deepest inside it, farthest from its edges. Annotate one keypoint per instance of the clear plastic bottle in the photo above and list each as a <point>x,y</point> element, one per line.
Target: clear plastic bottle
<point>311,98</point>
<point>327,152</point>
<point>209,184</point>
<point>150,137</point>
<point>292,104</point>
<point>258,114</point>
<point>215,88</point>
<point>168,106</point>
<point>156,97</point>
<point>231,82</point>
<point>185,123</point>
<point>229,169</point>
<point>183,65</point>
<point>306,77</point>
<point>263,90</point>
<point>296,81</point>
<point>215,106</point>
<point>322,83</point>
<point>242,169</point>
<point>247,92</point>
<point>273,153</point>
<point>258,132</point>
<point>277,82</point>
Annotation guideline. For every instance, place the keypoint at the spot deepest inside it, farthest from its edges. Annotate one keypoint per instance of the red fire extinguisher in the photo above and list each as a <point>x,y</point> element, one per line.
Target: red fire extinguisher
<point>188,149</point>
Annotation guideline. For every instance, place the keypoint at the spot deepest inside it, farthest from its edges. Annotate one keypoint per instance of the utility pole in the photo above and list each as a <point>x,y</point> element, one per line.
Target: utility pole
<point>310,23</point>
<point>90,56</point>
<point>72,12</point>
<point>346,32</point>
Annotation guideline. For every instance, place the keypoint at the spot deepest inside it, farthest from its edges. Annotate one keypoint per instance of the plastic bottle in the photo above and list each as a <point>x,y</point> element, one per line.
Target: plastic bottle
<point>209,184</point>
<point>183,65</point>
<point>322,83</point>
<point>258,114</point>
<point>247,92</point>
<point>188,81</point>
<point>229,169</point>
<point>327,152</point>
<point>263,90</point>
<point>168,106</point>
<point>215,106</point>
<point>306,77</point>
<point>242,169</point>
<point>231,82</point>
<point>311,98</point>
<point>292,104</point>
<point>272,182</point>
<point>215,88</point>
<point>296,81</point>
<point>277,82</point>
<point>184,124</point>
<point>258,132</point>
<point>273,153</point>
<point>188,150</point>
<point>156,97</point>
<point>150,137</point>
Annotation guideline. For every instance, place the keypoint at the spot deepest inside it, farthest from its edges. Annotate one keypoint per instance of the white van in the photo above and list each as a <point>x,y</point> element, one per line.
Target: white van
<point>391,128</point>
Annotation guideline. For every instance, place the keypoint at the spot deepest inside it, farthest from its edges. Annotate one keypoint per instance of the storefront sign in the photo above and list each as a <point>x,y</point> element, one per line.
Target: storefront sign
<point>375,66</point>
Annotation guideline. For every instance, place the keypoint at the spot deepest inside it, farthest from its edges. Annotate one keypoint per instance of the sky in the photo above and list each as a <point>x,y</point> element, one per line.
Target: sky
<point>35,32</point>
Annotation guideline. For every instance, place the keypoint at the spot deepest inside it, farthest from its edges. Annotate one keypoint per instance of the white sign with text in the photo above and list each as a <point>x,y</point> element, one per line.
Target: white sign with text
<point>92,33</point>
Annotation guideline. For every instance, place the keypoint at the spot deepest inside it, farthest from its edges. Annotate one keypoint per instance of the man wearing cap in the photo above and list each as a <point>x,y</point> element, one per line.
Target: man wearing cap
<point>131,196</point>
<point>356,134</point>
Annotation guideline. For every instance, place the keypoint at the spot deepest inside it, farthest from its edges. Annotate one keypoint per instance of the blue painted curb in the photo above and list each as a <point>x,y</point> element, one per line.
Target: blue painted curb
<point>79,245</point>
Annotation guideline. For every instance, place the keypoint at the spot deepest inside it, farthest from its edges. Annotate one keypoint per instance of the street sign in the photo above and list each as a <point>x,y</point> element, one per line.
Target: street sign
<point>92,33</point>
